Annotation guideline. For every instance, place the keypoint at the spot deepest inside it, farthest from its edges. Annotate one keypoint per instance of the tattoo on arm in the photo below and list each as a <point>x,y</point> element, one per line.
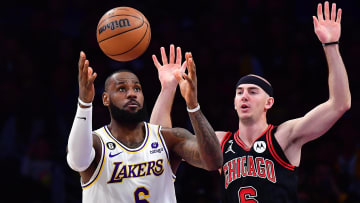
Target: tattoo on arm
<point>208,143</point>
<point>202,149</point>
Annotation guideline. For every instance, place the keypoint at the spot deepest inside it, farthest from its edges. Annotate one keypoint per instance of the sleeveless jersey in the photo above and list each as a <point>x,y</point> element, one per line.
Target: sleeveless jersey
<point>259,174</point>
<point>135,175</point>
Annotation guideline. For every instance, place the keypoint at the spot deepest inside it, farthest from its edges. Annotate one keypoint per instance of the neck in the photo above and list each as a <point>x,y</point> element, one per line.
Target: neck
<point>249,131</point>
<point>131,135</point>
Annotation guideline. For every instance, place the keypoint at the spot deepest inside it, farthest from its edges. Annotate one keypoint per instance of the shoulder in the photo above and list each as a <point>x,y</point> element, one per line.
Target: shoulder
<point>220,135</point>
<point>175,132</point>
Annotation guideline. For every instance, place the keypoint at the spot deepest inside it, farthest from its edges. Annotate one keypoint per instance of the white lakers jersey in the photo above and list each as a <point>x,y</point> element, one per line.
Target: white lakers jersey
<point>129,175</point>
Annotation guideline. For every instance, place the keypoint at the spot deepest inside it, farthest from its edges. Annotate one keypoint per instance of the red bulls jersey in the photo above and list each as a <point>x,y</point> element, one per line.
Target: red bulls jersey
<point>261,173</point>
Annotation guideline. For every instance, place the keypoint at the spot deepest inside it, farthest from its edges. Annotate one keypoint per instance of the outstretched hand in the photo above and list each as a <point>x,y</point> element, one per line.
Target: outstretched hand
<point>327,29</point>
<point>86,79</point>
<point>188,82</point>
<point>167,70</point>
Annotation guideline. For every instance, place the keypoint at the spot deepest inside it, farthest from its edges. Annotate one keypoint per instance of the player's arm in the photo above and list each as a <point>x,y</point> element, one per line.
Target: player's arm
<point>162,109</point>
<point>202,150</point>
<point>319,120</point>
<point>81,152</point>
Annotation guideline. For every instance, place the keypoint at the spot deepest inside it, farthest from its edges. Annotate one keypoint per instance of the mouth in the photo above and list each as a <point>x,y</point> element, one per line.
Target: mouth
<point>132,104</point>
<point>244,106</point>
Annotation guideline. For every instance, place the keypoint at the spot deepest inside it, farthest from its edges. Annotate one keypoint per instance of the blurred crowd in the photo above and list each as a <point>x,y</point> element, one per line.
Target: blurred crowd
<point>40,44</point>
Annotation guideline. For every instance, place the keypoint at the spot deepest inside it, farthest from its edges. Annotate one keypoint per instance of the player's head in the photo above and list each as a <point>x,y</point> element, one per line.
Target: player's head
<point>124,97</point>
<point>254,96</point>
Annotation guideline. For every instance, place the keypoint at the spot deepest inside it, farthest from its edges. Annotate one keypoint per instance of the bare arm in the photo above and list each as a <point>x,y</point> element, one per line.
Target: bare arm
<point>294,133</point>
<point>162,109</point>
<point>205,152</point>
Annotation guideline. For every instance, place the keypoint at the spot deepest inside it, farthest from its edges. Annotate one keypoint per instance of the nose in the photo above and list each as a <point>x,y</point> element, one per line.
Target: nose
<point>244,96</point>
<point>131,93</point>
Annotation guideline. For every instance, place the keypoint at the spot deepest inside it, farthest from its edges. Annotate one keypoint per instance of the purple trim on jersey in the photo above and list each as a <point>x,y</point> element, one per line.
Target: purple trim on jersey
<point>101,166</point>
<point>126,148</point>
<point>163,143</point>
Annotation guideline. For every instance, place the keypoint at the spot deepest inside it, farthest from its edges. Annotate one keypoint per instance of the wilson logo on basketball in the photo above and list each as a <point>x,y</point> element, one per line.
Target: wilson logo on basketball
<point>115,24</point>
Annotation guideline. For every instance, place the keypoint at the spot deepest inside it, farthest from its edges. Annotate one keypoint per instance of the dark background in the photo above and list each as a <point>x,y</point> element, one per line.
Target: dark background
<point>40,43</point>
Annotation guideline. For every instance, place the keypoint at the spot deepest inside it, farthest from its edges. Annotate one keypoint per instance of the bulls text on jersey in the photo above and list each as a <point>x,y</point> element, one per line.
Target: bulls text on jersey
<point>248,166</point>
<point>121,172</point>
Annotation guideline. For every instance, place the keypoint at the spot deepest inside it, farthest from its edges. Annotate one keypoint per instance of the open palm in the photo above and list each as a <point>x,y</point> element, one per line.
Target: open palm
<point>327,26</point>
<point>169,67</point>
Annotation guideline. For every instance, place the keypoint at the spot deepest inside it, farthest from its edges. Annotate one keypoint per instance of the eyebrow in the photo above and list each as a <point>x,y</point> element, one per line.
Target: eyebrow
<point>251,88</point>
<point>119,82</point>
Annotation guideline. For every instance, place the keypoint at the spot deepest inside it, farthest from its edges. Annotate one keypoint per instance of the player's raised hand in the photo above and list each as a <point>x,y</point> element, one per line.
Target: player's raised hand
<point>327,25</point>
<point>86,79</point>
<point>188,82</point>
<point>167,70</point>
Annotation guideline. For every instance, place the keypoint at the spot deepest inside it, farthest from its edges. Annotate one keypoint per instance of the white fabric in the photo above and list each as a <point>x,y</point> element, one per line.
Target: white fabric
<point>80,144</point>
<point>132,175</point>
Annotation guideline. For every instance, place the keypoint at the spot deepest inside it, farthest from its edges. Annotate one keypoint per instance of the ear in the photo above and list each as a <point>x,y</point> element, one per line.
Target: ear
<point>106,99</point>
<point>269,103</point>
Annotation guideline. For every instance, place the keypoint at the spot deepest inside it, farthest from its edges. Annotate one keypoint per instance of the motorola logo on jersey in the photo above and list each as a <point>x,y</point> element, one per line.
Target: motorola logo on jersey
<point>110,145</point>
<point>259,146</point>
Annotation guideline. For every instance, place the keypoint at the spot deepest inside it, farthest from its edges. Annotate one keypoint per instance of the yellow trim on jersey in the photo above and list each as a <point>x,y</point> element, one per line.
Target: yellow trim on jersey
<point>102,164</point>
<point>162,141</point>
<point>126,149</point>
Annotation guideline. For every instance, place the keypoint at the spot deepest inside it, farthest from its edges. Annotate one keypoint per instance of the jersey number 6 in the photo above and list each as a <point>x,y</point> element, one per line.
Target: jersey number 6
<point>140,195</point>
<point>247,195</point>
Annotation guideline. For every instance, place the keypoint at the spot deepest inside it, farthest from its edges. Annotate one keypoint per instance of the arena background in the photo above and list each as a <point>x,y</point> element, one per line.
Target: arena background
<point>40,43</point>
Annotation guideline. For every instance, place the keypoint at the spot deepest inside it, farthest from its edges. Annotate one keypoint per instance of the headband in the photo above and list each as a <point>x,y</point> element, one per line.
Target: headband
<point>250,79</point>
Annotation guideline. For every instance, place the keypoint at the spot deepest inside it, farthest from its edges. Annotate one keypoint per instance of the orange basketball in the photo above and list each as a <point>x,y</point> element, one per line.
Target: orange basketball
<point>123,33</point>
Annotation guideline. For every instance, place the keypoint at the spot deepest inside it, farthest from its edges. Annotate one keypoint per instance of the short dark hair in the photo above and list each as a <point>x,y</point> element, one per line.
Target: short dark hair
<point>107,81</point>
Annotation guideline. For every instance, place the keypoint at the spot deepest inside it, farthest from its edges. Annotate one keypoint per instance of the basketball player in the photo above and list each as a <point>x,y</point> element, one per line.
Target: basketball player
<point>260,159</point>
<point>130,160</point>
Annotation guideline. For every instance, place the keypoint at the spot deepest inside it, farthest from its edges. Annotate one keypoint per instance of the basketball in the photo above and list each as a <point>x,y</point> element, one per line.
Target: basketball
<point>123,33</point>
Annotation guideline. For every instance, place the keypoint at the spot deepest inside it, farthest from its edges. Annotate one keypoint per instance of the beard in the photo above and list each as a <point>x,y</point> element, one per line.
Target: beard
<point>123,116</point>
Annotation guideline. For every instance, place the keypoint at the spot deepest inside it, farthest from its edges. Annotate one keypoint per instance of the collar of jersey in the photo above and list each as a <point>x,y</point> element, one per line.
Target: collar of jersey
<point>121,145</point>
<point>241,143</point>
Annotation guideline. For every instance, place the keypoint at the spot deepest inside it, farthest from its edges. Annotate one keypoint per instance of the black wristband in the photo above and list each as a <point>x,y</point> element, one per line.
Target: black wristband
<point>330,43</point>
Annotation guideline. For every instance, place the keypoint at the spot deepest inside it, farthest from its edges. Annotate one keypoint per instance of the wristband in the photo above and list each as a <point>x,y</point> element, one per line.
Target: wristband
<point>197,108</point>
<point>329,43</point>
<point>84,103</point>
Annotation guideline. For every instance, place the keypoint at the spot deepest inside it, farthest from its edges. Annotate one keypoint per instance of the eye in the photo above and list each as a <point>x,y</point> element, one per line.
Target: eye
<point>122,89</point>
<point>137,89</point>
<point>254,91</point>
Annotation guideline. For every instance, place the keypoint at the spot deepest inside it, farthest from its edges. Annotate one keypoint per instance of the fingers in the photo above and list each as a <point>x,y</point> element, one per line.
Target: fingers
<point>81,61</point>
<point>85,70</point>
<point>156,62</point>
<point>91,75</point>
<point>319,12</point>
<point>191,65</point>
<point>172,54</point>
<point>328,16</point>
<point>316,22</point>
<point>183,67</point>
<point>326,10</point>
<point>163,56</point>
<point>333,12</point>
<point>178,55</point>
<point>338,19</point>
